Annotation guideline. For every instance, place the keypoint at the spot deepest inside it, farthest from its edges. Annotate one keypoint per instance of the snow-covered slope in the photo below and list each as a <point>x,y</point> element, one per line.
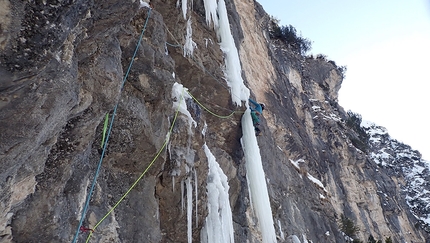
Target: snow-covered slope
<point>399,159</point>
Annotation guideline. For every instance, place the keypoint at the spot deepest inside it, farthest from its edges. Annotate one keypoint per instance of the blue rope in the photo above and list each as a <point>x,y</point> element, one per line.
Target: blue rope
<point>84,211</point>
<point>173,45</point>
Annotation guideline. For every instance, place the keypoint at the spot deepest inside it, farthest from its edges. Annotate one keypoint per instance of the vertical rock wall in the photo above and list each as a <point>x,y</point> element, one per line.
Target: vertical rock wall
<point>61,71</point>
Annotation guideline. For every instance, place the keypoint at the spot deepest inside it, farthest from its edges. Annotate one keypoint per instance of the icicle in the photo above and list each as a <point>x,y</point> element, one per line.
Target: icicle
<point>280,230</point>
<point>189,209</point>
<point>166,51</point>
<point>169,153</point>
<point>218,226</point>
<point>182,196</point>
<point>189,43</point>
<point>207,40</point>
<point>205,128</point>
<point>210,12</point>
<point>197,195</point>
<point>256,180</point>
<point>173,183</point>
<point>184,7</point>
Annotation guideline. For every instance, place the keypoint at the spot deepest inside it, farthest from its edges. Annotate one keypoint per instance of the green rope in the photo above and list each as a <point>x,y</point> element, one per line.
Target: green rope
<point>143,173</point>
<point>105,126</point>
<point>172,45</point>
<point>87,202</point>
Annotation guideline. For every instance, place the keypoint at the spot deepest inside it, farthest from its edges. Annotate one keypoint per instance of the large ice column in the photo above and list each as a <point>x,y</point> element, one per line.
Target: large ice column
<point>233,69</point>
<point>219,222</point>
<point>256,180</point>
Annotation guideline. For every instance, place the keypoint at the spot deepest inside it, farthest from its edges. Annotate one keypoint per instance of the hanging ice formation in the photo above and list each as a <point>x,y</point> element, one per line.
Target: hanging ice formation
<point>210,12</point>
<point>189,208</point>
<point>256,180</point>
<point>144,4</point>
<point>179,95</point>
<point>280,230</point>
<point>183,7</point>
<point>189,43</point>
<point>232,68</point>
<point>218,226</point>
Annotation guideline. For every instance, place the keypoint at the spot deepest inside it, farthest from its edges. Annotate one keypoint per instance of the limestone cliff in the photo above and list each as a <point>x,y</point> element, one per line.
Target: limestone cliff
<point>64,65</point>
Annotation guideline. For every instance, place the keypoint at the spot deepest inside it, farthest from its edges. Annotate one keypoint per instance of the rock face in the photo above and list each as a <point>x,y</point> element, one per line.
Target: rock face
<point>65,65</point>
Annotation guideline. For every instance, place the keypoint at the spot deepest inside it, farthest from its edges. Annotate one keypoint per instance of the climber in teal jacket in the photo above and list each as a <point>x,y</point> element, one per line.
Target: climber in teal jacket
<point>256,111</point>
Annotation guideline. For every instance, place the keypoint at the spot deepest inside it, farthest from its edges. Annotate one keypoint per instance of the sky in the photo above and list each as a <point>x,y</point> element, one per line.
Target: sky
<point>385,45</point>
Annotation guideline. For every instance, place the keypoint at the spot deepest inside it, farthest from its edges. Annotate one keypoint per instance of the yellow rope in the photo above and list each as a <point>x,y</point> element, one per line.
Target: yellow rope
<point>143,173</point>
<point>205,71</point>
<point>210,112</point>
<point>160,150</point>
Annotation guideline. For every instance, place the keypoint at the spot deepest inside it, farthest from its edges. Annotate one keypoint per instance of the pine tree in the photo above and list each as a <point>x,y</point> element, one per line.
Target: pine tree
<point>348,227</point>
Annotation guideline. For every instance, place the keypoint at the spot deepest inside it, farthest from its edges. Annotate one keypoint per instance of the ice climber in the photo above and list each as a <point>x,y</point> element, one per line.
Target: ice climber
<point>256,111</point>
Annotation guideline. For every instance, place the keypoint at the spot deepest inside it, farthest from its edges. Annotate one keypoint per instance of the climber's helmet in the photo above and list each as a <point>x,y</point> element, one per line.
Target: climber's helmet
<point>262,106</point>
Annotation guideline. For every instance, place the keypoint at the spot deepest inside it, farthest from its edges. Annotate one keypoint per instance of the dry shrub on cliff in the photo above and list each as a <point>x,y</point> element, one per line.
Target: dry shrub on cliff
<point>288,34</point>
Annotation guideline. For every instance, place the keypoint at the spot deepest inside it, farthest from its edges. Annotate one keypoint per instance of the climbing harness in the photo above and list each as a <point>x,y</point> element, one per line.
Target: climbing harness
<point>87,202</point>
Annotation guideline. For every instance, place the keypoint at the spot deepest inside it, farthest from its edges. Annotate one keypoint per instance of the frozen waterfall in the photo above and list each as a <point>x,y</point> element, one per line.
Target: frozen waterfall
<point>256,180</point>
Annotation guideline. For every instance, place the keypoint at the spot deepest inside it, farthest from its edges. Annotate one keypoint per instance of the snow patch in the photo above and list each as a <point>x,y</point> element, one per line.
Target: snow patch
<point>316,108</point>
<point>317,182</point>
<point>403,160</point>
<point>296,163</point>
